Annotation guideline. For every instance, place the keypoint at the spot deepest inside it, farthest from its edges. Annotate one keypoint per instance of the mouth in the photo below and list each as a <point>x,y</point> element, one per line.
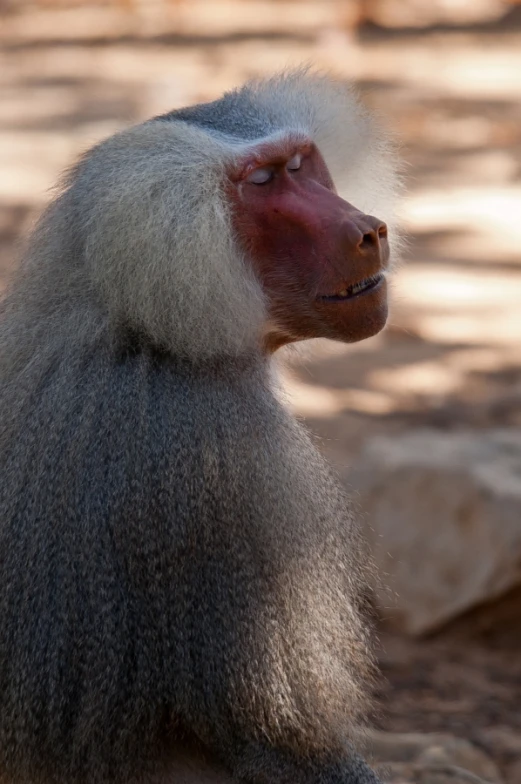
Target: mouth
<point>356,290</point>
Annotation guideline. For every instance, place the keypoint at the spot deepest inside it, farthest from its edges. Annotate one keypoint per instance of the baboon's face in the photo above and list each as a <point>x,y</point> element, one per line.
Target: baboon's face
<point>320,260</point>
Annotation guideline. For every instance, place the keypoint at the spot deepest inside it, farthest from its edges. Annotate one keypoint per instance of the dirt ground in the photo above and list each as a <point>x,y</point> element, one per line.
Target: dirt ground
<point>450,358</point>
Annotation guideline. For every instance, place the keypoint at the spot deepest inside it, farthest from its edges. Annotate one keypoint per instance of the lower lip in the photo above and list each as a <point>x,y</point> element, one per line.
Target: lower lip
<point>373,284</point>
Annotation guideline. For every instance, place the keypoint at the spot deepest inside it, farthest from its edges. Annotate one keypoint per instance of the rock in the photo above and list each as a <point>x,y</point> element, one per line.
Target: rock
<point>444,521</point>
<point>405,773</point>
<point>504,742</point>
<point>503,739</point>
<point>420,755</point>
<point>513,774</point>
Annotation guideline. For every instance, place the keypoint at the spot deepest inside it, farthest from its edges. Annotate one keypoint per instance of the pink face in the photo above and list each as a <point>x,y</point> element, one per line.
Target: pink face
<point>319,259</point>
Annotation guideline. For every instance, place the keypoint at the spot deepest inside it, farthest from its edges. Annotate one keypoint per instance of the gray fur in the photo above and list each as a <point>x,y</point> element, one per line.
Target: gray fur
<point>178,569</point>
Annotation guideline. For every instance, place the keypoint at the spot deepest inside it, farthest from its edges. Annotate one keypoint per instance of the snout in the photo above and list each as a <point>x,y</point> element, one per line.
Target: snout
<point>359,257</point>
<point>364,235</point>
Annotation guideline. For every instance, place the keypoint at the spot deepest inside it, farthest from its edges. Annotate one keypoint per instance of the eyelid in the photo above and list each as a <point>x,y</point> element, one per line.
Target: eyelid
<point>260,176</point>
<point>295,163</point>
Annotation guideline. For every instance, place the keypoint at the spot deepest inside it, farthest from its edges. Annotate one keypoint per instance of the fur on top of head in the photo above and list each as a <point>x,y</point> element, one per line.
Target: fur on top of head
<point>151,225</point>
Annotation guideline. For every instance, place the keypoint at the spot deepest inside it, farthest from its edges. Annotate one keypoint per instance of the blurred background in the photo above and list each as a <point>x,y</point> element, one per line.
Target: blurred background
<point>423,420</point>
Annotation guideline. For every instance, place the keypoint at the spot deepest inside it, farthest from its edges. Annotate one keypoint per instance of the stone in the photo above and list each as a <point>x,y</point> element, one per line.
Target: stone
<point>443,515</point>
<point>503,739</point>
<point>429,754</point>
<point>405,773</point>
<point>513,774</point>
<point>504,742</point>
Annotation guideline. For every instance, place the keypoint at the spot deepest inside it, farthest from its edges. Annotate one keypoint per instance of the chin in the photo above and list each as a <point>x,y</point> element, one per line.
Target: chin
<point>355,319</point>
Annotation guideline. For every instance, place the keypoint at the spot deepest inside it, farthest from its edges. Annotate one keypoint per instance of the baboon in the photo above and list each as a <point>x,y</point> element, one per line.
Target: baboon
<point>182,587</point>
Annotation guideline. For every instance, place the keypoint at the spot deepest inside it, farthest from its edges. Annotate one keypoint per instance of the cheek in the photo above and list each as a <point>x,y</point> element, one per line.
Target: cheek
<point>288,253</point>
<point>286,259</point>
<point>288,271</point>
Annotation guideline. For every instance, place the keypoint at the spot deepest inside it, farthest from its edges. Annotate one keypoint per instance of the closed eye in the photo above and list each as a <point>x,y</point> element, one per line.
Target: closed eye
<point>260,176</point>
<point>294,163</point>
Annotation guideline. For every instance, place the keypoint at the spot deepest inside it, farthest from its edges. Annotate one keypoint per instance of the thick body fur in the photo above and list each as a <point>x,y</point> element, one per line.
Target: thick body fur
<point>178,569</point>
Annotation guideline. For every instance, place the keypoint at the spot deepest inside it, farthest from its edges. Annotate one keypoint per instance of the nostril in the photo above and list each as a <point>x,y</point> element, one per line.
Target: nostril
<point>363,232</point>
<point>369,240</point>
